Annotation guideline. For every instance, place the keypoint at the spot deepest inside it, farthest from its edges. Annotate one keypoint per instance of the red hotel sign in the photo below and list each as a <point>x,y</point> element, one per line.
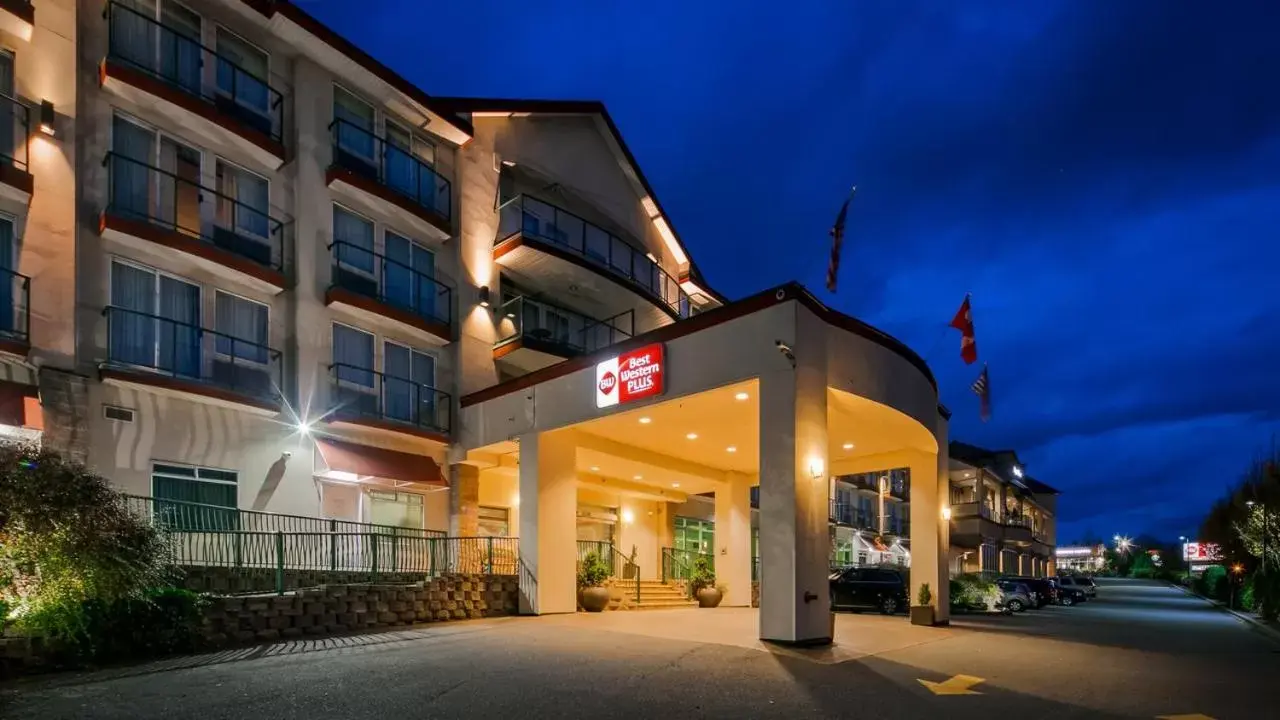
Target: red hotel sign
<point>630,376</point>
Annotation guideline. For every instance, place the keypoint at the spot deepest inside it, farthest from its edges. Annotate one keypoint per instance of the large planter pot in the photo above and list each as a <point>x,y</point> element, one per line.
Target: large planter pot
<point>922,615</point>
<point>709,597</point>
<point>595,599</point>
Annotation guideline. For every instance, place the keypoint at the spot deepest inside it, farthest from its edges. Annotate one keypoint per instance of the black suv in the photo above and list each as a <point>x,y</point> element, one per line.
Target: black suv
<point>883,589</point>
<point>1045,589</point>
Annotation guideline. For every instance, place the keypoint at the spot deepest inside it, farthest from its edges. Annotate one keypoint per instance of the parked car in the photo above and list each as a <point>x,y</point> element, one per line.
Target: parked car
<point>869,588</point>
<point>1071,595</point>
<point>1015,597</point>
<point>1079,581</point>
<point>1045,590</point>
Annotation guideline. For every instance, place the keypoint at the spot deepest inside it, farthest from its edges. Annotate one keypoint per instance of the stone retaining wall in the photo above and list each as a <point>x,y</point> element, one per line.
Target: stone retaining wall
<point>239,581</point>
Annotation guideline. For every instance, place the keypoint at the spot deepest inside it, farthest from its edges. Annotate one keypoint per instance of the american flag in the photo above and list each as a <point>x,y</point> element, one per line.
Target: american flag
<point>982,388</point>
<point>837,239</point>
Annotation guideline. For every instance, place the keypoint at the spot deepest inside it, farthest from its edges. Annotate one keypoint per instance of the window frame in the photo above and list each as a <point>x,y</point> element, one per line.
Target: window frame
<point>154,313</point>
<point>158,470</point>
<point>218,163</point>
<point>219,332</point>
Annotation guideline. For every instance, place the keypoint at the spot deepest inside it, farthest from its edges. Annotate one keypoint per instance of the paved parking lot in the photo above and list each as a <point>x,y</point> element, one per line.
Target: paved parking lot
<point>1141,650</point>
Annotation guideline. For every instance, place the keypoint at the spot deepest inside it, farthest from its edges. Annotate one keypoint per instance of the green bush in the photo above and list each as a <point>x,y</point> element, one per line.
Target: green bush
<point>1248,594</point>
<point>160,622</point>
<point>593,572</point>
<point>974,592</point>
<point>1213,583</point>
<point>703,575</point>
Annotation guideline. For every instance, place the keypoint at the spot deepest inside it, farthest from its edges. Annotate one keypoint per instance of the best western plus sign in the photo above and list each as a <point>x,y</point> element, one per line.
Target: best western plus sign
<point>629,376</point>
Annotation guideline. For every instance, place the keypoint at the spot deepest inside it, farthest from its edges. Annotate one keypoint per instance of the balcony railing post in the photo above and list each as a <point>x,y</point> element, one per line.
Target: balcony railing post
<point>279,563</point>
<point>333,545</point>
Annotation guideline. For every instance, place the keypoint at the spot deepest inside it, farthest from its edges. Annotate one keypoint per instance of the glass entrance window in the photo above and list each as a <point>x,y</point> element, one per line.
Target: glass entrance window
<point>397,509</point>
<point>694,535</point>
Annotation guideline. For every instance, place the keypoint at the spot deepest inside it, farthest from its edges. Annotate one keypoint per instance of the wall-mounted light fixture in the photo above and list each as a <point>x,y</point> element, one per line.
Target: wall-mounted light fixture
<point>46,118</point>
<point>816,468</point>
<point>946,513</point>
<point>484,296</point>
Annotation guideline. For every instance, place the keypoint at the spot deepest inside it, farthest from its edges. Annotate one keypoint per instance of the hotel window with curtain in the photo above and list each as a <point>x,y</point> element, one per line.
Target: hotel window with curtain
<point>154,321</point>
<point>194,498</point>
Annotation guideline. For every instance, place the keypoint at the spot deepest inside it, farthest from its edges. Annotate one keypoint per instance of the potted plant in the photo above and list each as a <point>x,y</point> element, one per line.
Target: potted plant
<point>629,569</point>
<point>592,593</point>
<point>922,611</point>
<point>703,584</point>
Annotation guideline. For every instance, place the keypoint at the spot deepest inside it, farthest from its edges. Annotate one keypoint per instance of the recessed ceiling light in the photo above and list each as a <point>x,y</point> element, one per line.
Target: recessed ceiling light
<point>675,484</point>
<point>847,446</point>
<point>645,420</point>
<point>691,436</point>
<point>741,396</point>
<point>595,468</point>
<point>731,448</point>
<point>637,477</point>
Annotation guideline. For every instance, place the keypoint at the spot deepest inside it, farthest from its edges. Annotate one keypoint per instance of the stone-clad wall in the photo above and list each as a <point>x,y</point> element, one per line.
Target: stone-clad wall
<point>344,608</point>
<point>238,581</point>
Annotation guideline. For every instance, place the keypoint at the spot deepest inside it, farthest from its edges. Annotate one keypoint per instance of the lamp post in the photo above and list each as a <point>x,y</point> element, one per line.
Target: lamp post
<point>1186,561</point>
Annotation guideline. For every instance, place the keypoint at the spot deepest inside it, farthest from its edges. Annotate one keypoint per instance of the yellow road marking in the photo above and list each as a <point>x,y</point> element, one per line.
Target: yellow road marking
<point>958,685</point>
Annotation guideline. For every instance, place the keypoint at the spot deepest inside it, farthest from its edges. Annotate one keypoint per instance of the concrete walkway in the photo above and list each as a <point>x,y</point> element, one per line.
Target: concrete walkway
<point>857,635</point>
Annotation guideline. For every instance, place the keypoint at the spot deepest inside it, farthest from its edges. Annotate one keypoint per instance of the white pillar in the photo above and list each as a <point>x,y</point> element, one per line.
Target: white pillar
<point>548,526</point>
<point>930,489</point>
<point>733,539</point>
<point>795,601</point>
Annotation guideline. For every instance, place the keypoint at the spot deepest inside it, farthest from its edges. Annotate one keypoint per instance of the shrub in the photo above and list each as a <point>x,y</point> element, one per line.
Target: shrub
<point>1212,583</point>
<point>67,538</point>
<point>1248,593</point>
<point>703,575</point>
<point>593,572</point>
<point>160,622</point>
<point>974,592</point>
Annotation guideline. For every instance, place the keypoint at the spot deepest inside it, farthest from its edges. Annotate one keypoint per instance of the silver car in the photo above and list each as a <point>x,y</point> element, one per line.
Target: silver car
<point>1014,596</point>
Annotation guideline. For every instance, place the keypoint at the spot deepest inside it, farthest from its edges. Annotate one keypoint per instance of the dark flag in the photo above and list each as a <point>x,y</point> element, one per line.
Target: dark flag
<point>982,388</point>
<point>837,239</point>
<point>963,321</point>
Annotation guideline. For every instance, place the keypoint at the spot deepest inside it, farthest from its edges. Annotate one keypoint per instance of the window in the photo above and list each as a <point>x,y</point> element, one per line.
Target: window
<point>12,135</point>
<point>353,242</point>
<point>242,73</point>
<point>694,535</point>
<point>243,202</point>
<point>408,384</point>
<point>242,325</point>
<point>353,357</point>
<point>154,321</point>
<point>354,120</point>
<point>397,509</point>
<point>408,278</point>
<point>494,522</point>
<point>862,557</point>
<point>12,313</point>
<point>194,498</point>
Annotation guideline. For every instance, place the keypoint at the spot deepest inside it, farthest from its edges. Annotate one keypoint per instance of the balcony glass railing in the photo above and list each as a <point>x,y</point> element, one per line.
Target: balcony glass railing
<point>191,353</point>
<point>364,153</point>
<point>15,129</point>
<point>138,191</point>
<point>538,220</point>
<point>362,393</point>
<point>174,57</point>
<point>573,333</point>
<point>15,307</point>
<point>391,282</point>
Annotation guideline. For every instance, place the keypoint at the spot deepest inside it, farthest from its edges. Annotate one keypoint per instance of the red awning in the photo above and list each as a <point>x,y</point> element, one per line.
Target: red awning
<point>20,406</point>
<point>389,464</point>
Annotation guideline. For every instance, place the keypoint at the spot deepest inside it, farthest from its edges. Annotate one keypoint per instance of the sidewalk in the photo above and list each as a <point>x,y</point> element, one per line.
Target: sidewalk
<point>1252,619</point>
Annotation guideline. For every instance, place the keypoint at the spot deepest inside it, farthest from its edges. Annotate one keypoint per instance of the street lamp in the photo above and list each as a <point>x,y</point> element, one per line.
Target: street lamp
<point>1186,561</point>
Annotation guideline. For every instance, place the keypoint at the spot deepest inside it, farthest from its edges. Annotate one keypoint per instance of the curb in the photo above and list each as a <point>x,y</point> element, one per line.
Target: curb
<point>1259,625</point>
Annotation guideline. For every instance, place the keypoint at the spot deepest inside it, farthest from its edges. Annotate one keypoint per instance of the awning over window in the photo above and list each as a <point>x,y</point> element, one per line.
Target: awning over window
<point>20,406</point>
<point>363,461</point>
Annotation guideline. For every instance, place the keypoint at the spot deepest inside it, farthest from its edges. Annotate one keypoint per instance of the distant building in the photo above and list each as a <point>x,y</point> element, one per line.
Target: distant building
<point>1081,558</point>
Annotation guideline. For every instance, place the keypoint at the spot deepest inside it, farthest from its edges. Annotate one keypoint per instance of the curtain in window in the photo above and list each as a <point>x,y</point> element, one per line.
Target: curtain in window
<point>243,327</point>
<point>353,356</point>
<point>130,173</point>
<point>242,73</point>
<point>179,332</point>
<point>354,236</point>
<point>407,372</point>
<point>180,47</point>
<point>11,131</point>
<point>133,35</point>
<point>402,167</point>
<point>355,132</point>
<point>249,201</point>
<point>178,196</point>
<point>133,333</point>
<point>409,276</point>
<point>11,317</point>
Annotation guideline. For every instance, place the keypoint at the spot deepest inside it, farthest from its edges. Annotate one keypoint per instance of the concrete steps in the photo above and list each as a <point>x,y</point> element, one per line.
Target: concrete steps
<point>655,595</point>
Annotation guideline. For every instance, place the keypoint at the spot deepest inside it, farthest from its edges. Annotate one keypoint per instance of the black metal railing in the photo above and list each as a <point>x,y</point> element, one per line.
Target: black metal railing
<point>843,513</point>
<point>895,483</point>
<point>679,564</point>
<point>15,133</point>
<point>191,353</point>
<point>15,306</point>
<point>543,221</point>
<point>602,548</point>
<point>378,277</point>
<point>180,61</point>
<point>360,392</point>
<point>138,191</point>
<point>364,153</point>
<point>572,333</point>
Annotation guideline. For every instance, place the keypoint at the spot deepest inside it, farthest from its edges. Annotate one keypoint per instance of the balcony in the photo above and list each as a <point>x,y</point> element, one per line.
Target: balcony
<point>533,334</point>
<point>376,172</point>
<point>379,288</point>
<point>370,399</point>
<point>159,354</point>
<point>557,250</point>
<point>851,515</point>
<point>197,88</point>
<point>15,313</point>
<point>897,487</point>
<point>16,181</point>
<point>147,206</point>
<point>18,17</point>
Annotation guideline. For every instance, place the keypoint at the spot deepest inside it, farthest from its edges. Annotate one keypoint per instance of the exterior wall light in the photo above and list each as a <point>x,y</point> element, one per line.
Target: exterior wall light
<point>46,118</point>
<point>816,468</point>
<point>946,513</point>
<point>484,296</point>
<point>628,517</point>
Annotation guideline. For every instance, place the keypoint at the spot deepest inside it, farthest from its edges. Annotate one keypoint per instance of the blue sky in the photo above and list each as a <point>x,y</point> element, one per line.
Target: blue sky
<point>1103,176</point>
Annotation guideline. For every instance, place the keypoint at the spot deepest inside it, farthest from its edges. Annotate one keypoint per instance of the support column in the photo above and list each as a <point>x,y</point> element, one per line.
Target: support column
<point>464,501</point>
<point>930,541</point>
<point>795,602</point>
<point>733,539</point>
<point>548,529</point>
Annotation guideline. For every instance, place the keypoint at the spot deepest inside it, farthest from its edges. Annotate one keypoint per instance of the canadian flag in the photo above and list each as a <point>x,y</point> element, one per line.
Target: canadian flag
<point>963,322</point>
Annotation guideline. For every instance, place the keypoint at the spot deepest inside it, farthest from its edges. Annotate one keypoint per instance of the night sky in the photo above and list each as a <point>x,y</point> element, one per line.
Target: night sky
<point>1103,176</point>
